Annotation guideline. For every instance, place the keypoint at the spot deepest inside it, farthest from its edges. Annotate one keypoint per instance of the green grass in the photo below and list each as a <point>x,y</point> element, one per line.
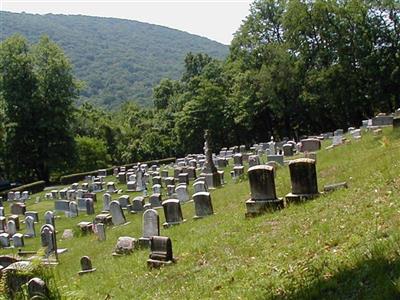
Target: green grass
<point>342,245</point>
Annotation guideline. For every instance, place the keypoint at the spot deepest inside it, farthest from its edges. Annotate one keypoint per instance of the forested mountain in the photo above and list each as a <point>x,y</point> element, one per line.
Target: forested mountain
<point>118,60</point>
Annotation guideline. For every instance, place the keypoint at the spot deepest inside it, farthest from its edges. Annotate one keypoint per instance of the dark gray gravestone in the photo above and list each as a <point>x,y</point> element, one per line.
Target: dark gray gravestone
<point>161,252</point>
<point>37,289</point>
<point>202,204</point>
<point>172,212</point>
<point>86,265</point>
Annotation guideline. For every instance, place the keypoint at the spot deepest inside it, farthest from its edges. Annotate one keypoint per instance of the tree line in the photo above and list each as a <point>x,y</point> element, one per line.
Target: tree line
<point>294,68</point>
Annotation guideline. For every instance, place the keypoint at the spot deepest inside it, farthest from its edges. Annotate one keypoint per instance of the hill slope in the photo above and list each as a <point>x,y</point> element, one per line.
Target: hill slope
<point>118,59</point>
<point>342,245</point>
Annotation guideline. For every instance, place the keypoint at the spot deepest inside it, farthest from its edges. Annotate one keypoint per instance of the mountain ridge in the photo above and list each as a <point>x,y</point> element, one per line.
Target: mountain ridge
<point>119,59</point>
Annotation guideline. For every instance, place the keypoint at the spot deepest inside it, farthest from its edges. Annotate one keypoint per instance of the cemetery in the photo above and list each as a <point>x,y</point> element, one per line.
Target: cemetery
<point>291,228</point>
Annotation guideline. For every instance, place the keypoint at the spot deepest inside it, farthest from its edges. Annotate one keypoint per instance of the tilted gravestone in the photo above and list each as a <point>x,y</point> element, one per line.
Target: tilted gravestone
<point>202,204</point>
<point>172,212</point>
<point>117,214</point>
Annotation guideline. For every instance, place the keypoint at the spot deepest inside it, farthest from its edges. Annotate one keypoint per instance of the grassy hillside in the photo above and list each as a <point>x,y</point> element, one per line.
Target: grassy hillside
<point>118,59</point>
<point>342,245</point>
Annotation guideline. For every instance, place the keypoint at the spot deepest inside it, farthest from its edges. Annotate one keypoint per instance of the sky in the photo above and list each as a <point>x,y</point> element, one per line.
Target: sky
<point>216,20</point>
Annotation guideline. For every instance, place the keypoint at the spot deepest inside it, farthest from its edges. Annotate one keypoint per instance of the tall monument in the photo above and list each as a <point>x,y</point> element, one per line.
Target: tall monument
<point>209,171</point>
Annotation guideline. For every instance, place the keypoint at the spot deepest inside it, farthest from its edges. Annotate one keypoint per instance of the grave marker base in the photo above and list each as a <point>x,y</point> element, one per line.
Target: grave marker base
<point>295,198</point>
<point>170,224</point>
<point>256,208</point>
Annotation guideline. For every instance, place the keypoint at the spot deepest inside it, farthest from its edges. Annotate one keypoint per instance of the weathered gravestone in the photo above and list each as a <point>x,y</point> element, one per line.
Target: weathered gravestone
<point>161,252</point>
<point>155,200</point>
<point>11,227</point>
<point>86,265</point>
<point>89,207</point>
<point>254,160</point>
<point>172,212</point>
<point>151,226</point>
<point>18,240</point>
<point>73,210</point>
<point>124,201</point>
<point>137,204</point>
<point>310,145</point>
<point>202,204</point>
<point>106,201</point>
<point>263,193</point>
<point>117,214</point>
<point>210,172</point>
<point>30,227</point>
<point>200,186</point>
<point>156,188</point>
<point>303,176</point>
<point>48,240</point>
<point>101,231</point>
<point>37,289</point>
<point>61,205</point>
<point>33,214</point>
<point>15,218</point>
<point>18,209</point>
<point>4,240</point>
<point>125,245</point>
<point>182,193</point>
<point>49,218</point>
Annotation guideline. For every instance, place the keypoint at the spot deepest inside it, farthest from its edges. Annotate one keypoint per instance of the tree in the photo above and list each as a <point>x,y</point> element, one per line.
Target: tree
<point>38,89</point>
<point>92,154</point>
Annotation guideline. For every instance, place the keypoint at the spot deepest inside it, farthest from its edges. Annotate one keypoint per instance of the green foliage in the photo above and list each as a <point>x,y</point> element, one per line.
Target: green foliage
<point>38,91</point>
<point>119,60</point>
<point>92,153</point>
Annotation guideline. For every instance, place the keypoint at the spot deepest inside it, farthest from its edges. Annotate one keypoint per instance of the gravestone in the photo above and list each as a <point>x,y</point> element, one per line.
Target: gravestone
<point>30,227</point>
<point>124,201</point>
<point>11,228</point>
<point>191,171</point>
<point>15,218</point>
<point>151,226</point>
<point>117,214</point>
<point>18,240</point>
<point>182,193</point>
<point>172,212</point>
<point>37,289</point>
<point>111,187</point>
<point>238,159</point>
<point>49,218</point>
<point>33,214</point>
<point>86,265</point>
<point>10,196</point>
<point>125,245</point>
<point>101,231</point>
<point>303,176</point>
<point>200,186</point>
<point>3,224</point>
<point>2,213</point>
<point>106,201</point>
<point>73,209</point>
<point>161,252</point>
<point>48,240</point>
<point>170,190</point>
<point>131,186</point>
<point>202,204</point>
<point>156,189</point>
<point>155,200</point>
<point>310,145</point>
<point>164,174</point>
<point>61,205</point>
<point>254,160</point>
<point>276,158</point>
<point>238,171</point>
<point>288,150</point>
<point>263,193</point>
<point>18,209</point>
<point>137,204</point>
<point>140,186</point>
<point>183,178</point>
<point>4,240</point>
<point>89,207</point>
<point>209,170</point>
<point>156,180</point>
<point>169,181</point>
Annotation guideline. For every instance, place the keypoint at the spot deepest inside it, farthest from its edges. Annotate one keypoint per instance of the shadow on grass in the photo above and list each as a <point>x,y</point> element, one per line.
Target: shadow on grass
<point>377,278</point>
